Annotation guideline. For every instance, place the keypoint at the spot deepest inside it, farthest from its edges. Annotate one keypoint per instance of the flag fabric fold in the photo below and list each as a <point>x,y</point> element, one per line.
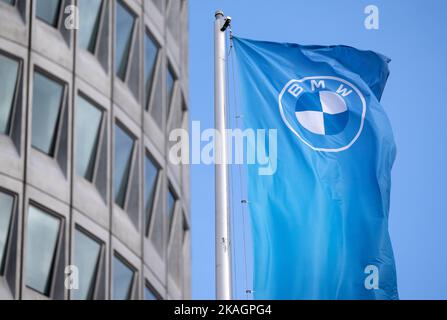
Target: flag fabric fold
<point>320,222</point>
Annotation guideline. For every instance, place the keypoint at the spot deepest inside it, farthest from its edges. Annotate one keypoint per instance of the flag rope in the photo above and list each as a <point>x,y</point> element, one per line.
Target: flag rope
<point>230,186</point>
<point>244,200</point>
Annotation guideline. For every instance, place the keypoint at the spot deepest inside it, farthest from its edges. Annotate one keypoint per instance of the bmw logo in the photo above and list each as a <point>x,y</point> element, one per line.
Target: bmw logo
<point>326,113</point>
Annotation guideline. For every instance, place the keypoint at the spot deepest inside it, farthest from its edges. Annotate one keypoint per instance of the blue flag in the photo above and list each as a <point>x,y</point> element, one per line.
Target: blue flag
<point>320,223</point>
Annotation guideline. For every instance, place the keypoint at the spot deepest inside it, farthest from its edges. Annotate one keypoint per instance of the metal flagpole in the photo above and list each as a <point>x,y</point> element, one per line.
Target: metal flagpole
<point>223,252</point>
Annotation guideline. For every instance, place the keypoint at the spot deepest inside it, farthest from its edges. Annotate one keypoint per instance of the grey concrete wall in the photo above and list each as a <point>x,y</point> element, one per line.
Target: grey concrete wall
<point>51,183</point>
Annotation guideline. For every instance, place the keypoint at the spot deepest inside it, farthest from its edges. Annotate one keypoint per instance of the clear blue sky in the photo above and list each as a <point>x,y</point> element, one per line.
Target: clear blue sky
<point>412,33</point>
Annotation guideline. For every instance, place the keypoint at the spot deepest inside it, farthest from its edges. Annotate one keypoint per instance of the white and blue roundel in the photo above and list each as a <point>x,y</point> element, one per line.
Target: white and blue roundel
<point>326,113</point>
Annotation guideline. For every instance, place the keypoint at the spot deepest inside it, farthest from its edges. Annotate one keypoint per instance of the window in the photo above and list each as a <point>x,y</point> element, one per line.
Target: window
<point>123,278</point>
<point>176,250</point>
<point>159,4</point>
<point>41,243</point>
<point>86,258</point>
<point>150,183</point>
<point>124,145</point>
<point>11,2</point>
<point>176,117</point>
<point>47,101</point>
<point>6,210</point>
<point>88,120</point>
<point>149,294</point>
<point>9,71</point>
<point>156,101</point>
<point>172,199</point>
<point>173,18</point>
<point>89,19</point>
<point>48,11</point>
<point>125,22</point>
<point>150,59</point>
<point>185,228</point>
<point>170,85</point>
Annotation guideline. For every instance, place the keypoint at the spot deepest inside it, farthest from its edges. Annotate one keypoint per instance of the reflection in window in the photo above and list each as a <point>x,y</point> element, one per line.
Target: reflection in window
<point>124,145</point>
<point>150,57</point>
<point>48,11</point>
<point>149,294</point>
<point>89,18</point>
<point>86,259</point>
<point>9,70</point>
<point>87,128</point>
<point>41,243</point>
<point>47,101</point>
<point>6,207</point>
<point>170,85</point>
<point>125,22</point>
<point>123,277</point>
<point>150,179</point>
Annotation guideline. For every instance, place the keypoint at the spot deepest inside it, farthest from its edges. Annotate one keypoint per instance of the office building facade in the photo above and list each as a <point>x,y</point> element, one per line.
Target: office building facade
<point>90,206</point>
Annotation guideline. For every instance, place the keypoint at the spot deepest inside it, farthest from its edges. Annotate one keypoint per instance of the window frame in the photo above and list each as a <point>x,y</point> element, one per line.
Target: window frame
<point>100,22</point>
<point>134,283</point>
<point>57,250</point>
<point>148,90</point>
<point>132,40</point>
<point>150,287</point>
<point>4,259</point>
<point>185,248</point>
<point>170,96</point>
<point>174,286</point>
<point>59,15</point>
<point>14,106</point>
<point>54,149</point>
<point>155,192</point>
<point>172,215</point>
<point>99,138</point>
<point>183,109</point>
<point>170,13</point>
<point>186,228</point>
<point>132,160</point>
<point>101,259</point>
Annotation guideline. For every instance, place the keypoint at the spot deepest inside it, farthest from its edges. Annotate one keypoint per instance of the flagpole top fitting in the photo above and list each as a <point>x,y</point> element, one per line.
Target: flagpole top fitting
<point>219,13</point>
<point>227,20</point>
<point>226,24</point>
